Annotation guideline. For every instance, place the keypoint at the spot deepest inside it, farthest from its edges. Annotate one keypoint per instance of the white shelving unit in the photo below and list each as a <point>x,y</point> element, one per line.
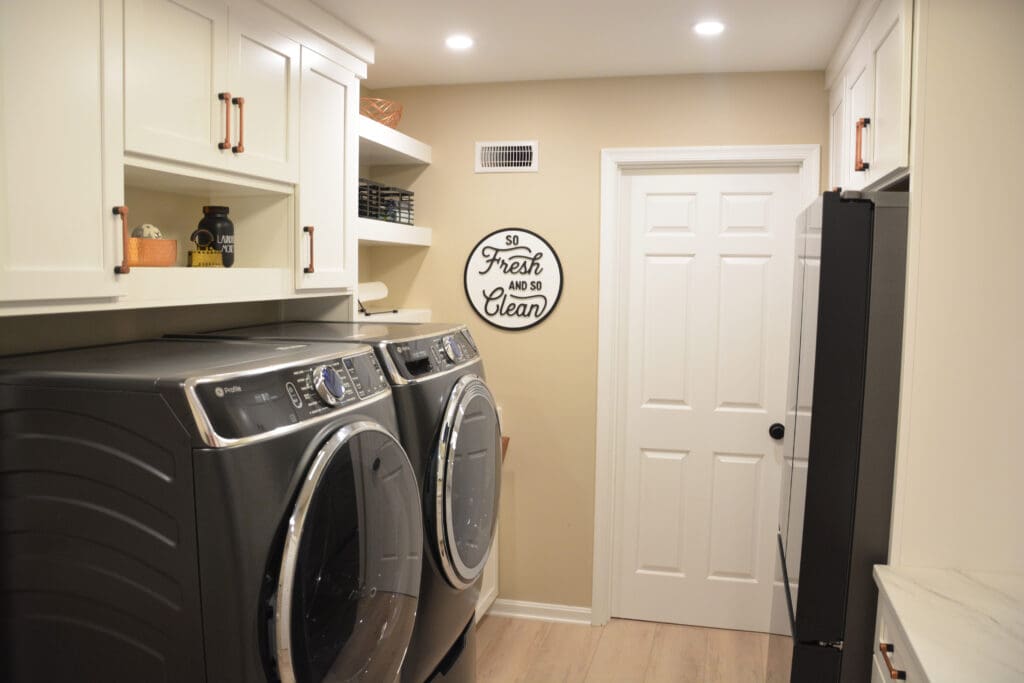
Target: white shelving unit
<point>383,146</point>
<point>385,234</point>
<point>380,145</point>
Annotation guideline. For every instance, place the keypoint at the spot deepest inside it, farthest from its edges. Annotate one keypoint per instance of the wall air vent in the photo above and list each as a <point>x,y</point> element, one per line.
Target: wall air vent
<point>506,157</point>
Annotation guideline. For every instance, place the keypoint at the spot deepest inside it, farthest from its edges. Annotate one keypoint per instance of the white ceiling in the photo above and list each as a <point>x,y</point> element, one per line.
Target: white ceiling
<point>549,39</point>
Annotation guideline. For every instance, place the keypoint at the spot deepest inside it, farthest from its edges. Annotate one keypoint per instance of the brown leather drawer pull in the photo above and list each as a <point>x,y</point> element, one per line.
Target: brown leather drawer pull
<point>894,673</point>
<point>858,161</point>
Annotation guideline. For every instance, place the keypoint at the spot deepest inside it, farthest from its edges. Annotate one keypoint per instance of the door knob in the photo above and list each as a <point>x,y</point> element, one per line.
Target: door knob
<point>777,431</point>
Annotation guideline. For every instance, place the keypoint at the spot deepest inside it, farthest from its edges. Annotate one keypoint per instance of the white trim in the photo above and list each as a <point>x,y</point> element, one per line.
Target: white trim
<point>485,603</point>
<point>614,164</point>
<point>541,611</point>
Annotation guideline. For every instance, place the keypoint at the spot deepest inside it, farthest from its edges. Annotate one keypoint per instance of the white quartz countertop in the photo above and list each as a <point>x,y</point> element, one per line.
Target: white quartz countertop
<point>961,626</point>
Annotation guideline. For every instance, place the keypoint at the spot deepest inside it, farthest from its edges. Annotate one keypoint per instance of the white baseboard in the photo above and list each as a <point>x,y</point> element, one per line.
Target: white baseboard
<point>483,605</point>
<point>542,611</point>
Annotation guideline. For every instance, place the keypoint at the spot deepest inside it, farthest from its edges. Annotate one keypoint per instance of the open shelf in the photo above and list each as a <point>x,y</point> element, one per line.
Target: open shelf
<point>383,146</point>
<point>374,233</point>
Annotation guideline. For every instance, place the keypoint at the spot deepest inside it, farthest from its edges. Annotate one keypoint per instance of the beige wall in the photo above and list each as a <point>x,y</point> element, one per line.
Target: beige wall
<point>545,377</point>
<point>960,467</point>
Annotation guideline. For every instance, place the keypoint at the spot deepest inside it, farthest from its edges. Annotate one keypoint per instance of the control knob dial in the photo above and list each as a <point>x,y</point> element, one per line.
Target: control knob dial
<point>328,384</point>
<point>451,349</point>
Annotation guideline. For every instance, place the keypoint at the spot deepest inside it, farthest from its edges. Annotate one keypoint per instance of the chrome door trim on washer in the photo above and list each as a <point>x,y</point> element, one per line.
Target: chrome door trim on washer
<point>293,539</point>
<point>468,387</point>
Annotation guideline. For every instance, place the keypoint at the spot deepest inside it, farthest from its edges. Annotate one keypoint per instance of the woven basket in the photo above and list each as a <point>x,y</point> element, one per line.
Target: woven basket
<point>152,252</point>
<point>380,110</point>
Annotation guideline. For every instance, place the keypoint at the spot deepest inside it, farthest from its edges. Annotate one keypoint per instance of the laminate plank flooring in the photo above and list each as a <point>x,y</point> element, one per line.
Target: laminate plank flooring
<point>623,651</point>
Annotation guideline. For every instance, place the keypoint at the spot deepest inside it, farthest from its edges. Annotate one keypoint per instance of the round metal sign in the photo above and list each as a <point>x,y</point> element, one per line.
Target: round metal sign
<point>513,278</point>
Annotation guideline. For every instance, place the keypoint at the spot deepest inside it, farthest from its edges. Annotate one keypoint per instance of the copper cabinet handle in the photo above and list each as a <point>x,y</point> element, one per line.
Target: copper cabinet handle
<point>225,97</point>
<point>309,269</point>
<point>124,268</point>
<point>894,673</point>
<point>240,147</point>
<point>858,161</point>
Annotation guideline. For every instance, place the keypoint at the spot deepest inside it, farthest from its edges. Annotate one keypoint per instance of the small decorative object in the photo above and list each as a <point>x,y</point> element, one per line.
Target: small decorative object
<point>380,110</point>
<point>513,278</point>
<point>204,255</point>
<point>146,247</point>
<point>147,231</point>
<point>216,222</point>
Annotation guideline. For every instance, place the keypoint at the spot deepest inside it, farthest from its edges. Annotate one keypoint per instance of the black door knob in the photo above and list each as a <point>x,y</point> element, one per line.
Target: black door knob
<point>777,431</point>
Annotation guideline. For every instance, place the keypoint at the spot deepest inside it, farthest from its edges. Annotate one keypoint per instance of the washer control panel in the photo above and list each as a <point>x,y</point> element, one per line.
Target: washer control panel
<point>417,358</point>
<point>246,405</point>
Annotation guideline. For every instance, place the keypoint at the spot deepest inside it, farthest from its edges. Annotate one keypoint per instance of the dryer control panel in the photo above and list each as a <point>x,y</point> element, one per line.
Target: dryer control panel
<point>248,404</point>
<point>417,358</point>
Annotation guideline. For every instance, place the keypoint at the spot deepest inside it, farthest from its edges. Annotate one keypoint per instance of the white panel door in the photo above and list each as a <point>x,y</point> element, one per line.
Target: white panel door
<point>264,78</point>
<point>60,131</point>
<point>710,273</point>
<point>175,54</point>
<point>328,168</point>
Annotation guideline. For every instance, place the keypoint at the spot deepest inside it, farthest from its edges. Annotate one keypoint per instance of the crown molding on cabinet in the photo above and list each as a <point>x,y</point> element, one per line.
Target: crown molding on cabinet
<point>854,29</point>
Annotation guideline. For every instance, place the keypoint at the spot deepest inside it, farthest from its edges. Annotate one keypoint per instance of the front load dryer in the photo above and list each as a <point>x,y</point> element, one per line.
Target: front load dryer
<point>448,422</point>
<point>204,511</point>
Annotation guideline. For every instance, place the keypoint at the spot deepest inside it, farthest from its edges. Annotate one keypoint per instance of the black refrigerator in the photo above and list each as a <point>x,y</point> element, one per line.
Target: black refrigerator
<point>841,435</point>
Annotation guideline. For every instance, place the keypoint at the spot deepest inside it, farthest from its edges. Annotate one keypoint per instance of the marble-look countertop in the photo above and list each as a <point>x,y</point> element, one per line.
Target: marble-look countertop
<point>961,626</point>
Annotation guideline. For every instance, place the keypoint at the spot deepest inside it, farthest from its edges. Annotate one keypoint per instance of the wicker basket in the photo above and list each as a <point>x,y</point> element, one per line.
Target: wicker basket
<point>383,111</point>
<point>152,252</point>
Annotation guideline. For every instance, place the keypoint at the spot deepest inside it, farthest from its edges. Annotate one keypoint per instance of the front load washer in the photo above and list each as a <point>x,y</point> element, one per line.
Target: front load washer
<point>448,422</point>
<point>204,511</point>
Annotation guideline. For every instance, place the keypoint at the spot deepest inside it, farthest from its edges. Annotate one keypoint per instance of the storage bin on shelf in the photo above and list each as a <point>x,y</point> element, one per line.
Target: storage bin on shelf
<point>385,203</point>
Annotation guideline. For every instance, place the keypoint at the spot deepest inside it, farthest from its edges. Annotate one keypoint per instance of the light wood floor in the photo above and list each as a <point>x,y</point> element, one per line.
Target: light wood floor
<point>529,651</point>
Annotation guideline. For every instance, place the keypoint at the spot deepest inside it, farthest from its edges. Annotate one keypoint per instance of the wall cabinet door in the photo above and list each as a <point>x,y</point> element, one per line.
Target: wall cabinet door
<point>838,151</point>
<point>859,97</point>
<point>888,34</point>
<point>180,56</point>
<point>328,170</point>
<point>263,69</point>
<point>60,132</point>
<point>175,54</point>
<point>874,87</point>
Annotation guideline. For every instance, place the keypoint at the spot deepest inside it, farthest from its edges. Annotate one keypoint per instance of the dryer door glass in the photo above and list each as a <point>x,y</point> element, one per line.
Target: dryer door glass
<point>468,480</point>
<point>351,563</point>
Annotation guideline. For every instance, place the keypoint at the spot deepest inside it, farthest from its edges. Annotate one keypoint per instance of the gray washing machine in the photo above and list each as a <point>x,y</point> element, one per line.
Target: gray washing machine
<point>193,511</point>
<point>449,425</point>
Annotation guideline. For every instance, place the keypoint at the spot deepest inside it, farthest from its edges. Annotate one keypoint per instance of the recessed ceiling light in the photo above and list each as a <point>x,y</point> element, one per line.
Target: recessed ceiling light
<point>459,42</point>
<point>709,28</point>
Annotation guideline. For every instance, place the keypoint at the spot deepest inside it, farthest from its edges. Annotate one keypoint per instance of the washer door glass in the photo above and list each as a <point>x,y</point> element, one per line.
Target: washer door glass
<point>351,563</point>
<point>468,480</point>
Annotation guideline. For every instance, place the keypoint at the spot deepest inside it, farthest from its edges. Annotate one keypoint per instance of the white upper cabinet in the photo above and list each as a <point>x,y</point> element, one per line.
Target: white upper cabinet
<point>60,132</point>
<point>175,67</point>
<point>206,85</point>
<point>328,175</point>
<point>870,97</point>
<point>263,68</point>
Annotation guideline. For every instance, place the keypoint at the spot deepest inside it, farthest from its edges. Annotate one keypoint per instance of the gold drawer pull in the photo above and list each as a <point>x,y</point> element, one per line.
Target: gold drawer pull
<point>894,673</point>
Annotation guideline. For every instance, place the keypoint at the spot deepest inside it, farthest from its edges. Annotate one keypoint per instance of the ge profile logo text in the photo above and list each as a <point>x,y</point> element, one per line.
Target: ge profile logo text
<point>513,278</point>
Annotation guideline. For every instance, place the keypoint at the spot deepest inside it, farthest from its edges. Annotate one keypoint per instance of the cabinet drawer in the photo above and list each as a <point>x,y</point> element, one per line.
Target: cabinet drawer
<point>887,632</point>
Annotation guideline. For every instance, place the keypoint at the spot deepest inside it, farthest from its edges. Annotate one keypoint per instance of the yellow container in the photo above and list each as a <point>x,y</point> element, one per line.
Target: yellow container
<point>205,257</point>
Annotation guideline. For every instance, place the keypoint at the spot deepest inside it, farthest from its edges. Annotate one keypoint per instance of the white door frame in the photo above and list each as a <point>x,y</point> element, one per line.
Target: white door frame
<point>611,409</point>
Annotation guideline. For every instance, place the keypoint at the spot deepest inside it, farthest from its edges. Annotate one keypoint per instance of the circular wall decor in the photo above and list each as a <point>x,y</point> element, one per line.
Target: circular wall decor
<point>513,278</point>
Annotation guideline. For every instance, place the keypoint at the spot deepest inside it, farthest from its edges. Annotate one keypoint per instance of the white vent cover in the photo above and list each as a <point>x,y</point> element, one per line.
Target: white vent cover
<point>506,157</point>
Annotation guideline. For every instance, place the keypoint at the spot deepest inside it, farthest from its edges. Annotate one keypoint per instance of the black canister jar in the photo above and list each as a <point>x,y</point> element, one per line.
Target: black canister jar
<point>215,219</point>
